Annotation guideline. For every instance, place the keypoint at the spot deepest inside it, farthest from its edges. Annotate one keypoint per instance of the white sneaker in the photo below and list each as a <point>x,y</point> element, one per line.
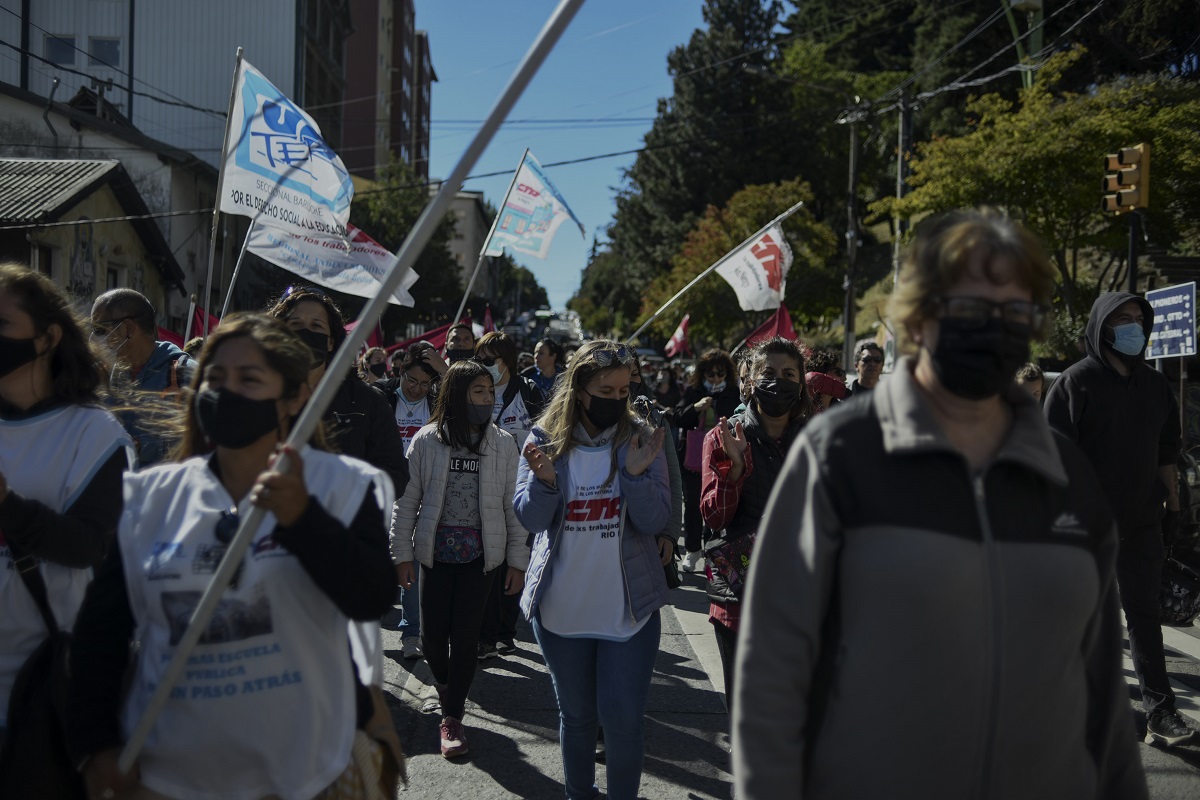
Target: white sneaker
<point>411,648</point>
<point>691,561</point>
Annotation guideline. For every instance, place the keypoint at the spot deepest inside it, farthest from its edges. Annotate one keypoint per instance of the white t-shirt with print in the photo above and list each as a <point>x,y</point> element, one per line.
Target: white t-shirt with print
<point>410,417</point>
<point>51,458</point>
<point>266,703</point>
<point>586,595</point>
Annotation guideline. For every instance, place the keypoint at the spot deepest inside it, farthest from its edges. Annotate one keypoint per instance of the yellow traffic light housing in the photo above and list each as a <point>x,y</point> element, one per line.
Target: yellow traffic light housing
<point>1127,180</point>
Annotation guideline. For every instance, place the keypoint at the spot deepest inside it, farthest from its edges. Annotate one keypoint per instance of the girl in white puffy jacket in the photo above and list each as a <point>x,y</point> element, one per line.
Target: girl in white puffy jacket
<point>456,518</point>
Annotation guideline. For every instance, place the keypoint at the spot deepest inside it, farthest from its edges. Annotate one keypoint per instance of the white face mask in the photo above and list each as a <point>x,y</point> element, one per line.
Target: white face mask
<point>715,388</point>
<point>494,371</point>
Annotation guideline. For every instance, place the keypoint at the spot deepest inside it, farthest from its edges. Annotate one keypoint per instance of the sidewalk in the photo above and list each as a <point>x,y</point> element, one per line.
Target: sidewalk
<point>512,720</point>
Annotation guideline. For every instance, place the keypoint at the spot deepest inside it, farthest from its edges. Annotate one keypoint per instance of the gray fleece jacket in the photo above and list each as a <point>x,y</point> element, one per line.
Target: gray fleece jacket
<point>916,630</point>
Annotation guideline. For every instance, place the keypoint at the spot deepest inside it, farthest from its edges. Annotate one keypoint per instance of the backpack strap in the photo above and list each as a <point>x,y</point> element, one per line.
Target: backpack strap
<point>27,567</point>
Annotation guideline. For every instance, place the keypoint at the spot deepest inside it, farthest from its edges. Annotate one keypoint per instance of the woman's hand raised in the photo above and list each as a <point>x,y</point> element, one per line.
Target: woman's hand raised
<point>641,456</point>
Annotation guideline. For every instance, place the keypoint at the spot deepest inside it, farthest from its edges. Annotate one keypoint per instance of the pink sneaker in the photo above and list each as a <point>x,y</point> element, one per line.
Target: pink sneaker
<point>454,738</point>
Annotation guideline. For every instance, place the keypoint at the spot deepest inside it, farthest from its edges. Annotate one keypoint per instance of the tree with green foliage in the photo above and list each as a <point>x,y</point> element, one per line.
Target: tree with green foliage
<point>387,213</point>
<point>813,293</point>
<point>721,129</point>
<point>1042,161</point>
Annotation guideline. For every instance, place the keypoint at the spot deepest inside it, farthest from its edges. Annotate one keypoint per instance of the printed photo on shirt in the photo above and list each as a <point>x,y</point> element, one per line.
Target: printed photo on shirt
<point>234,620</point>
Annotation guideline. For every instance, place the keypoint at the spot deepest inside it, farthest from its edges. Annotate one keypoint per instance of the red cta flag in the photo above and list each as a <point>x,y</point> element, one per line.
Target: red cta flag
<point>679,342</point>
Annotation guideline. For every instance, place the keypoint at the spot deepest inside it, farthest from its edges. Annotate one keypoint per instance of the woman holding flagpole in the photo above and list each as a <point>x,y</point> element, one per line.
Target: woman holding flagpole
<point>268,706</point>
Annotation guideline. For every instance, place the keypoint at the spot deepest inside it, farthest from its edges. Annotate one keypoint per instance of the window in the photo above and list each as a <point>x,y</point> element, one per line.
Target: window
<point>114,277</point>
<point>104,52</point>
<point>60,50</point>
<point>45,260</point>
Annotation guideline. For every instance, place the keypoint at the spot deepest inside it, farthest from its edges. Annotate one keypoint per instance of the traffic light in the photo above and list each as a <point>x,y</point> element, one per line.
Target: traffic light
<point>1127,179</point>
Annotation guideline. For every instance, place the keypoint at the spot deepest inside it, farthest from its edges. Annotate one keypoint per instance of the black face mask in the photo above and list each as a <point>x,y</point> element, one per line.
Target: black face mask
<point>976,363</point>
<point>479,414</point>
<point>231,420</point>
<point>16,353</point>
<point>318,343</point>
<point>459,354</point>
<point>776,397</point>
<point>378,370</point>
<point>606,411</point>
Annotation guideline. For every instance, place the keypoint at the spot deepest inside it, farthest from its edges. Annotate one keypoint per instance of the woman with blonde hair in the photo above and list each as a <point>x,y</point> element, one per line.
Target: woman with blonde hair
<point>933,558</point>
<point>594,490</point>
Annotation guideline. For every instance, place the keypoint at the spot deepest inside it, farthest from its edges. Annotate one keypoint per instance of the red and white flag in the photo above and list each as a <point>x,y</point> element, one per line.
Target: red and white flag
<point>778,324</point>
<point>758,271</point>
<point>679,342</point>
<point>488,325</point>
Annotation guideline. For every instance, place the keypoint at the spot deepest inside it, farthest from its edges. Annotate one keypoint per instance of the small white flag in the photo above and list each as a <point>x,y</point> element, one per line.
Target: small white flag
<point>327,263</point>
<point>531,214</point>
<point>758,271</point>
<point>278,169</point>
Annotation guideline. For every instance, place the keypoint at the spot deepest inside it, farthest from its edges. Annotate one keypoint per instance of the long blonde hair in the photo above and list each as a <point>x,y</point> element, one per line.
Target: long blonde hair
<point>562,412</point>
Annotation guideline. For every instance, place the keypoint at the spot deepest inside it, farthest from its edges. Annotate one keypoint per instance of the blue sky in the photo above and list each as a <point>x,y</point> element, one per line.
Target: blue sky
<point>610,65</point>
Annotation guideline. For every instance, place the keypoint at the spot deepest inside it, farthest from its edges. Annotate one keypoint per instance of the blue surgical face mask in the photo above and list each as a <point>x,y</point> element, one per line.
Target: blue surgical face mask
<point>1129,338</point>
<point>714,388</point>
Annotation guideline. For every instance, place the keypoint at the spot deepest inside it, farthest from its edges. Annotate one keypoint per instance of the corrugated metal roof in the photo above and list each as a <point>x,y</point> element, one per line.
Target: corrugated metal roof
<point>33,190</point>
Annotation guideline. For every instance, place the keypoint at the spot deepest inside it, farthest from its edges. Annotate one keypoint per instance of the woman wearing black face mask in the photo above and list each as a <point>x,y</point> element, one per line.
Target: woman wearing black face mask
<point>372,368</point>
<point>456,518</point>
<point>272,689</point>
<point>936,537</point>
<point>360,418</point>
<point>594,490</point>
<point>61,460</point>
<point>743,457</point>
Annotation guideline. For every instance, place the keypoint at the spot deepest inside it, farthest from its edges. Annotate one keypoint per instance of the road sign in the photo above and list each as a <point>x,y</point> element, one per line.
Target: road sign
<point>1174,331</point>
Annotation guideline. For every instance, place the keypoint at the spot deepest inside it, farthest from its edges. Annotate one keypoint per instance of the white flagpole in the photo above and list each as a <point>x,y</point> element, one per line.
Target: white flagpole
<point>314,410</point>
<point>212,239</point>
<point>718,263</point>
<point>488,241</point>
<point>236,269</point>
<point>191,317</point>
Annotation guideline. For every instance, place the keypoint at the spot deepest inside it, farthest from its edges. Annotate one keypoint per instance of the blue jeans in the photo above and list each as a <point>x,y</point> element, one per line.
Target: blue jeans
<point>613,679</point>
<point>411,605</point>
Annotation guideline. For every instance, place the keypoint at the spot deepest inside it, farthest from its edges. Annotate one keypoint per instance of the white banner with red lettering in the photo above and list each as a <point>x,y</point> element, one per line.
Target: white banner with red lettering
<point>357,270</point>
<point>679,342</point>
<point>758,271</point>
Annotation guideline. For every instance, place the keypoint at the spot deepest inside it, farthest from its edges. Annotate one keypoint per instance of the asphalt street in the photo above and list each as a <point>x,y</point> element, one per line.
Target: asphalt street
<point>512,720</point>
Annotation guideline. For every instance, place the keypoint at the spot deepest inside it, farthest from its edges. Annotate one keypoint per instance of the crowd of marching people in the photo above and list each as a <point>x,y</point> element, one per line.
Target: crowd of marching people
<point>935,520</point>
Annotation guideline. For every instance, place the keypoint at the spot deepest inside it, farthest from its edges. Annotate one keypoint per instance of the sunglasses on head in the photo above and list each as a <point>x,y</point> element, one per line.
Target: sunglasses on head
<point>612,355</point>
<point>295,290</point>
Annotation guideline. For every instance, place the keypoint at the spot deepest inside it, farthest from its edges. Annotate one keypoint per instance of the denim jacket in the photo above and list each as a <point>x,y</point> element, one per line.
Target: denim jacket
<point>646,499</point>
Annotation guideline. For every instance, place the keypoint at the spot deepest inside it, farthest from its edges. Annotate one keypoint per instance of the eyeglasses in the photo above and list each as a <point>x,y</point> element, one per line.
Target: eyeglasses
<point>607,356</point>
<point>487,361</point>
<point>414,382</point>
<point>870,360</point>
<point>226,529</point>
<point>99,329</point>
<point>974,312</point>
<point>715,373</point>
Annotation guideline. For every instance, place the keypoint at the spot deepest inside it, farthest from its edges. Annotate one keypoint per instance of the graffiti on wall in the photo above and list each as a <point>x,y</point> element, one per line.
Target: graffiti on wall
<point>82,280</point>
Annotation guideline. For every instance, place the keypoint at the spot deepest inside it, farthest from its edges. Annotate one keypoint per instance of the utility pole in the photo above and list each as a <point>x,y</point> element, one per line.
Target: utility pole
<point>1033,15</point>
<point>852,117</point>
<point>902,145</point>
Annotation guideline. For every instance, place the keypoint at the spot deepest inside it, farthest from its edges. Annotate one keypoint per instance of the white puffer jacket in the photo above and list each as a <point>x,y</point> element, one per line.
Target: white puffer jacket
<point>414,525</point>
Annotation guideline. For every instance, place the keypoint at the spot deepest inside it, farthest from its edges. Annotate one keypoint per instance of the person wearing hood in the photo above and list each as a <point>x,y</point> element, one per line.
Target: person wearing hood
<point>1124,417</point>
<point>145,372</point>
<point>743,457</point>
<point>933,585</point>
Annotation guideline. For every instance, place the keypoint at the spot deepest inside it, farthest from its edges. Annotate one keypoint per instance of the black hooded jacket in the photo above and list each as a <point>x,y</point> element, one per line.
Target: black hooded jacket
<point>1128,426</point>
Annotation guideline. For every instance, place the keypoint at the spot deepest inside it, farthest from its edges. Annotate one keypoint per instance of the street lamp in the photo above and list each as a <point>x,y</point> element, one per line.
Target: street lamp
<point>856,111</point>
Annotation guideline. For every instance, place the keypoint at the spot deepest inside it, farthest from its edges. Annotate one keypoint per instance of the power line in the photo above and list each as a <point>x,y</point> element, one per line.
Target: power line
<point>179,101</point>
<point>128,218</point>
<point>909,81</point>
